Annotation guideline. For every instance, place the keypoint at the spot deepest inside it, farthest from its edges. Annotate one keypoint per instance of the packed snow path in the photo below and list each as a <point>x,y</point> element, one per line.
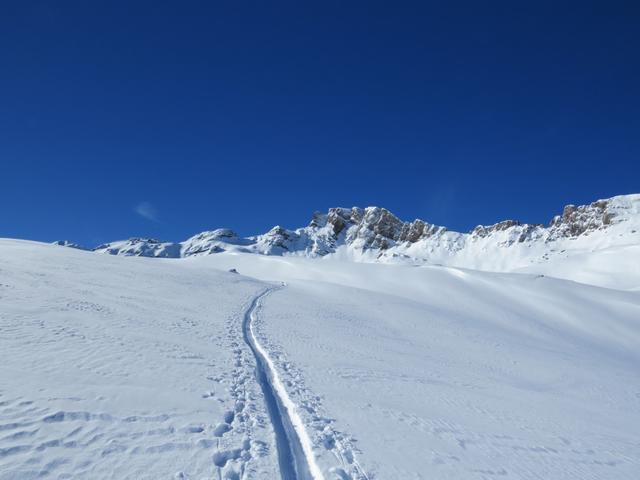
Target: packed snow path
<point>295,454</point>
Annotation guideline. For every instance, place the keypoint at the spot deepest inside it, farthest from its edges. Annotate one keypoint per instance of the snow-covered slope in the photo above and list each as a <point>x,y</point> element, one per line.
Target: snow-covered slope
<point>464,375</point>
<point>375,235</point>
<point>125,368</point>
<point>119,367</point>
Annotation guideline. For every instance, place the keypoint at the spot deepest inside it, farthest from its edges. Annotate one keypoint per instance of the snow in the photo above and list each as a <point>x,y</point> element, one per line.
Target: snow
<point>510,360</point>
<point>115,367</point>
<point>434,372</point>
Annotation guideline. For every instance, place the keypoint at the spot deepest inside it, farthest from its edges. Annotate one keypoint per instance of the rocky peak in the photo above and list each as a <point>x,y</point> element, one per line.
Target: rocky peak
<point>417,230</point>
<point>277,238</point>
<point>371,227</point>
<point>382,222</point>
<point>340,218</point>
<point>486,230</point>
<point>579,220</point>
<point>318,220</point>
<point>376,227</point>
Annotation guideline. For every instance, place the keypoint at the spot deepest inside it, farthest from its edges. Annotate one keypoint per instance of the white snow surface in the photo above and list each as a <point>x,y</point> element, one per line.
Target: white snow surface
<point>437,372</point>
<point>117,368</point>
<point>521,362</point>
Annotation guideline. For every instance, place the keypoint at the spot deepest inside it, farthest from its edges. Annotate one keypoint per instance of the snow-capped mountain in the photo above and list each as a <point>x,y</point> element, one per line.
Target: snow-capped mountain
<point>375,234</point>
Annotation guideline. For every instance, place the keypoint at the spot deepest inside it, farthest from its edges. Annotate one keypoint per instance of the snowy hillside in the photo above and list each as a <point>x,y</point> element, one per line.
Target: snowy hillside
<point>112,369</point>
<point>517,357</point>
<point>375,235</point>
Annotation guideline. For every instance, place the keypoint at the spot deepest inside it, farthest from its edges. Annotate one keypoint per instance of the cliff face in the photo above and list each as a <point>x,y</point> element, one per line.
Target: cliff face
<point>576,221</point>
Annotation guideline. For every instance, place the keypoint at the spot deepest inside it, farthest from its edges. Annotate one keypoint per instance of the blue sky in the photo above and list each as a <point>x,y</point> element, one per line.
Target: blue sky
<point>164,119</point>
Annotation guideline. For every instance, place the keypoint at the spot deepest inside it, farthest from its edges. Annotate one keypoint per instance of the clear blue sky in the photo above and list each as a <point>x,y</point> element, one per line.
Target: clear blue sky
<point>164,119</point>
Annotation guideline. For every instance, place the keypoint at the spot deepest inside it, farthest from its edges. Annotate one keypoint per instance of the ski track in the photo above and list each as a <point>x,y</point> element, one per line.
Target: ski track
<point>340,445</point>
<point>295,450</point>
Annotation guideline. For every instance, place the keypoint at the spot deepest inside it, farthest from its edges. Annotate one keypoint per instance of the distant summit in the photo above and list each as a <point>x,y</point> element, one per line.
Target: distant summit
<point>375,234</point>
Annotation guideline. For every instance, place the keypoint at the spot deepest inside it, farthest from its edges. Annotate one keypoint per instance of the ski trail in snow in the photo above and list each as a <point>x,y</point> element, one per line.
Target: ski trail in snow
<point>295,453</point>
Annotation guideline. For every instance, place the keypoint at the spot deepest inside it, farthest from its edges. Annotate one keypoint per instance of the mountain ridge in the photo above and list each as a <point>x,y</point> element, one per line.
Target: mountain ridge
<point>376,234</point>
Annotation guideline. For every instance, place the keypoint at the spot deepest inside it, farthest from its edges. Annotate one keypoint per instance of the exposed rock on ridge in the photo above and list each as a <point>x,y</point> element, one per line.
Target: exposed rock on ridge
<point>376,233</point>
